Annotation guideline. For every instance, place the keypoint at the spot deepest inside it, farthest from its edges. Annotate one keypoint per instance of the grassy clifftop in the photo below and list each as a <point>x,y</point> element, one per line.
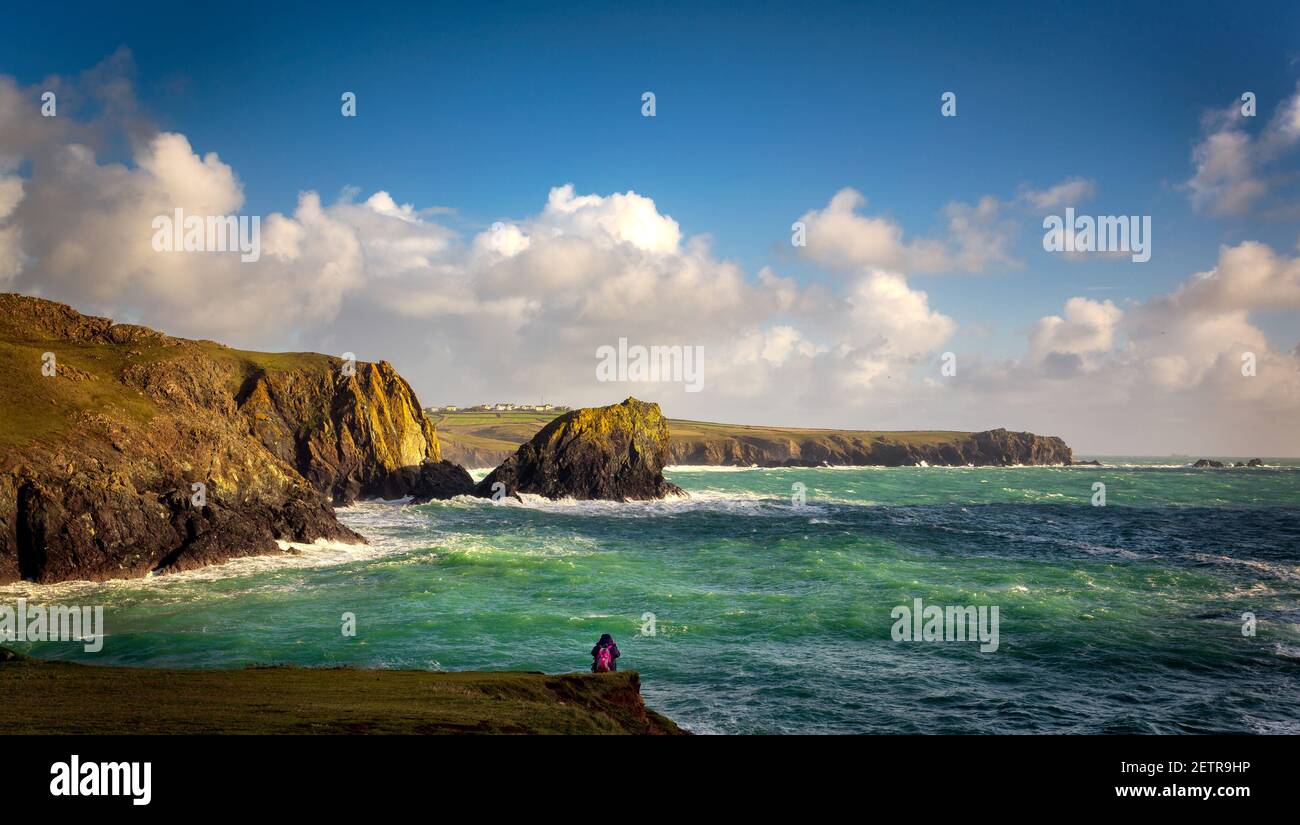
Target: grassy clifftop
<point>61,698</point>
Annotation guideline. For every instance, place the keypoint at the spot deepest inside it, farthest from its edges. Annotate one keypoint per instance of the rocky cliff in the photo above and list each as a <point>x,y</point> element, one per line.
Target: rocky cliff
<point>124,451</point>
<point>616,453</point>
<point>353,436</point>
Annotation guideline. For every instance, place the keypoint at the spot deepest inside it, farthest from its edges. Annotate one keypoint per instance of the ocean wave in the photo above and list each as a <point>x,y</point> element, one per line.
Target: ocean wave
<point>1280,571</point>
<point>738,502</point>
<point>321,553</point>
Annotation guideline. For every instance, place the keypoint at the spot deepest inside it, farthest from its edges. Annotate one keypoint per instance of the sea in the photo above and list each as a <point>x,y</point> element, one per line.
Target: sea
<point>772,600</point>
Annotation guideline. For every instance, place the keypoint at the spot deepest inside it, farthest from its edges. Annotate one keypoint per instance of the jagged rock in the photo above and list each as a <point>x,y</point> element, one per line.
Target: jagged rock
<point>353,436</point>
<point>616,453</point>
<point>1254,462</point>
<point>96,476</point>
<point>1205,462</point>
<point>441,480</point>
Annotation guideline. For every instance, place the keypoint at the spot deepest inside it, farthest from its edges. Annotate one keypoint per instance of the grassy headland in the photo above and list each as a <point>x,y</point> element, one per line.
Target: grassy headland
<point>44,697</point>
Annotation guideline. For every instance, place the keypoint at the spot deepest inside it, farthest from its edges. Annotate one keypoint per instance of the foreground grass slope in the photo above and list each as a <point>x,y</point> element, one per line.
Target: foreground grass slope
<point>43,697</point>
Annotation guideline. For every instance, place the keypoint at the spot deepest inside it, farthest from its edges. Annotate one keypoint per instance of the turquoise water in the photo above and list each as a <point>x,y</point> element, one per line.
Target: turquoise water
<point>776,618</point>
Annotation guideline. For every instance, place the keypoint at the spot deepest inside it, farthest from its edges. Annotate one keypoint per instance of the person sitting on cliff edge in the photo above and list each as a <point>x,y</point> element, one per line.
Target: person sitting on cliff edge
<point>604,655</point>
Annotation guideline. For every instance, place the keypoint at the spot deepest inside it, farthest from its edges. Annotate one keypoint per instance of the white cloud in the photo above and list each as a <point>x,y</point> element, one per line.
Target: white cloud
<point>1070,192</point>
<point>1088,327</point>
<point>839,237</point>
<point>1235,172</point>
<point>619,218</point>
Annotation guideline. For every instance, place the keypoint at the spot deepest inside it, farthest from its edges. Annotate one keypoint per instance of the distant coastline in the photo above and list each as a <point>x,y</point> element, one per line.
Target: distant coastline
<point>482,438</point>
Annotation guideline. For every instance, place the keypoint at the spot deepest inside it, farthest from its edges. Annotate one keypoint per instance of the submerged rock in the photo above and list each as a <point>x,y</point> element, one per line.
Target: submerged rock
<point>616,453</point>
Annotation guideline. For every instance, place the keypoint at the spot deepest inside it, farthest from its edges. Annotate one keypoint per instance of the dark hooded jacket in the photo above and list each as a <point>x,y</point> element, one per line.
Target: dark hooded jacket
<point>605,641</point>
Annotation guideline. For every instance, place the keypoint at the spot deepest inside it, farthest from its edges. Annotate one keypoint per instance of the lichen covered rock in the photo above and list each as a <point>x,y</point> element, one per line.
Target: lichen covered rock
<point>616,453</point>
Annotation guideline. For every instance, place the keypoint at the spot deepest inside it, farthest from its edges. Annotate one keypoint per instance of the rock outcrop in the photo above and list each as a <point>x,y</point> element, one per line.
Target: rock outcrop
<point>126,451</point>
<point>1204,463</point>
<point>441,480</point>
<point>616,453</point>
<point>814,449</point>
<point>353,431</point>
<point>469,455</point>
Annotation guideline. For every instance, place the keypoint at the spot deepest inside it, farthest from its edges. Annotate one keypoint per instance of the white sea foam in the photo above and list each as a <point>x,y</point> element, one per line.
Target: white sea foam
<point>730,502</point>
<point>321,553</point>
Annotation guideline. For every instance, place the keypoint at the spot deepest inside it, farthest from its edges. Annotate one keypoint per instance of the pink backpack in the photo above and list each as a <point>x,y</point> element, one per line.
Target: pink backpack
<point>604,660</point>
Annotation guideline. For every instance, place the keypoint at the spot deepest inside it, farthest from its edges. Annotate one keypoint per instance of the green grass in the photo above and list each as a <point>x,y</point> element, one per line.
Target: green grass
<point>34,406</point>
<point>248,362</point>
<point>43,697</point>
<point>37,407</point>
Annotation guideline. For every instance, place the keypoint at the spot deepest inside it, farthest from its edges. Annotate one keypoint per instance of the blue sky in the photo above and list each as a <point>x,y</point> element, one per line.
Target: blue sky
<point>763,114</point>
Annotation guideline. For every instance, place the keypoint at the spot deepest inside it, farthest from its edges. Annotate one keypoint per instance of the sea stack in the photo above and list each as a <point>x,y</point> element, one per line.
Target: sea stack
<point>615,453</point>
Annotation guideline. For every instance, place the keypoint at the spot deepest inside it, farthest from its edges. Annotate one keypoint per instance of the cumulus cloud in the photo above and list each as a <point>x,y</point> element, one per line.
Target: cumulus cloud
<point>1235,170</point>
<point>1197,333</point>
<point>839,237</point>
<point>1088,327</point>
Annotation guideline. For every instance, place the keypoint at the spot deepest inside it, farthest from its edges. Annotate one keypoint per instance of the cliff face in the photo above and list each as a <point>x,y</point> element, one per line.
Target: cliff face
<point>351,436</point>
<point>108,427</point>
<point>616,453</point>
<point>990,447</point>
